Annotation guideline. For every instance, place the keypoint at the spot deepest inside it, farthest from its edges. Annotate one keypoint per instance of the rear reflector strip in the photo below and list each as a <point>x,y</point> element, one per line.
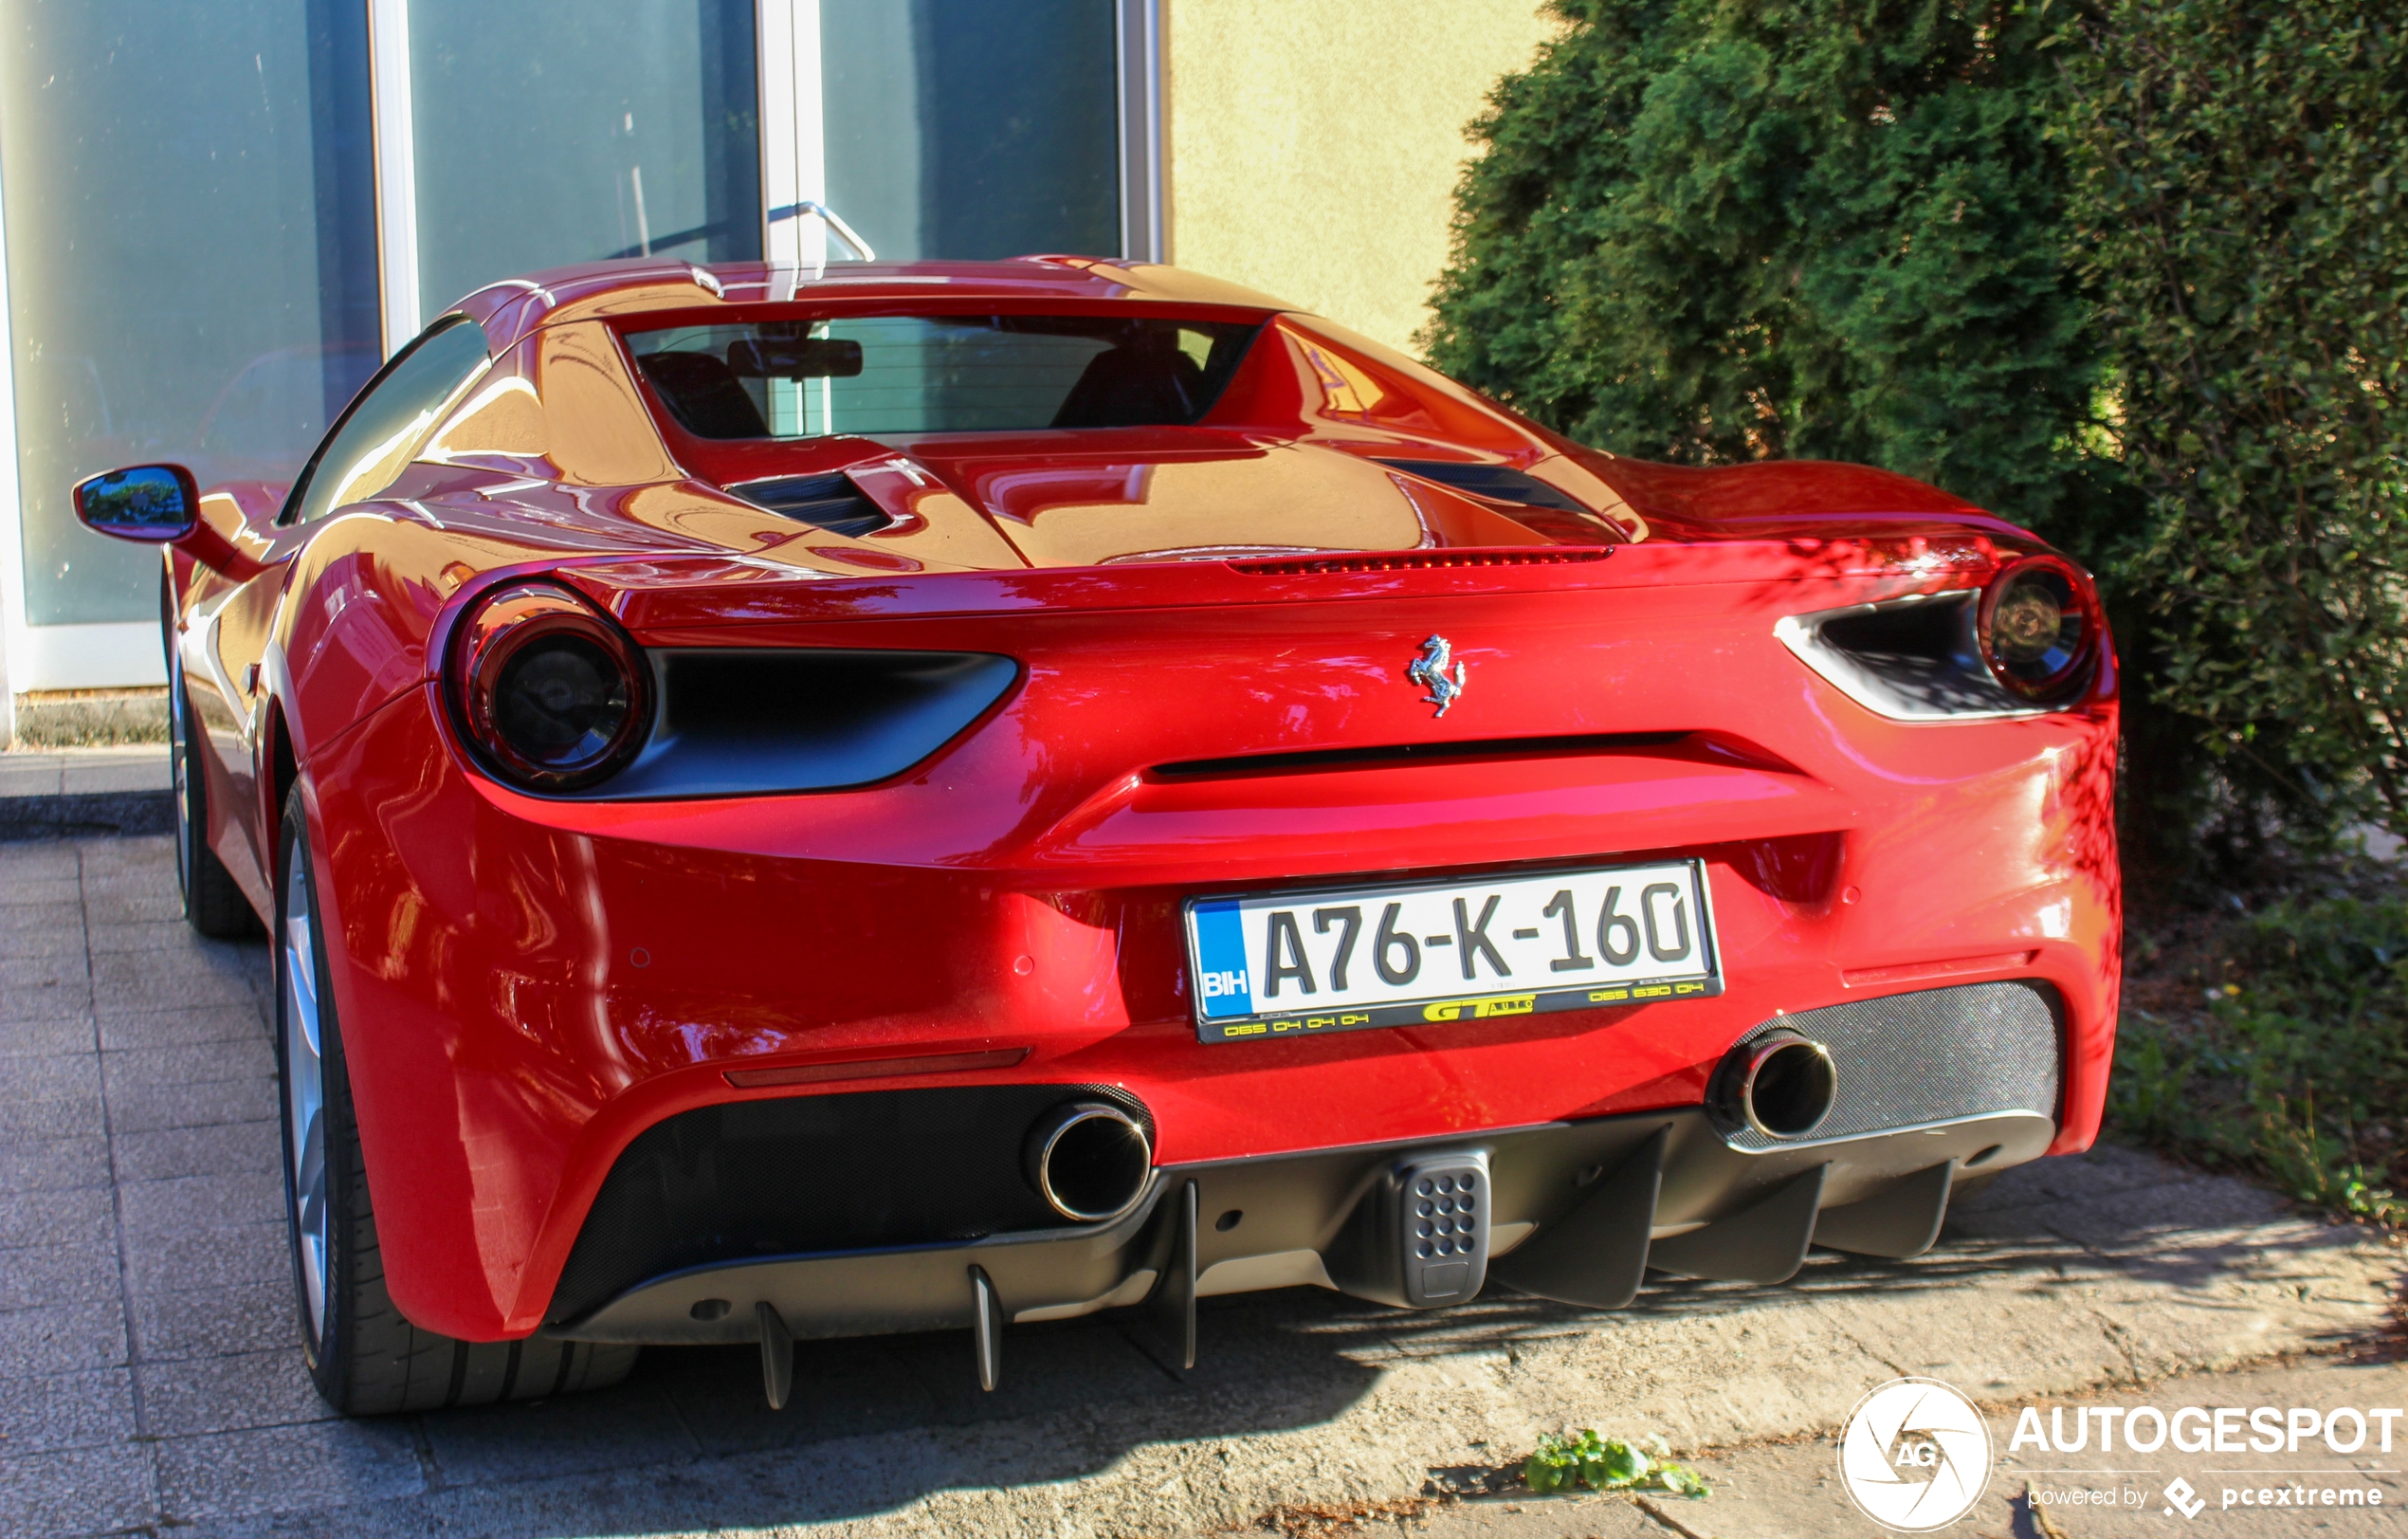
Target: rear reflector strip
<point>935,1063</point>
<point>1418,560</point>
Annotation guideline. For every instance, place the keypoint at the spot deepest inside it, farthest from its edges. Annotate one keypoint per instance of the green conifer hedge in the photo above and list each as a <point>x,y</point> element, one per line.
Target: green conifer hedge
<point>2237,207</point>
<point>2130,274</point>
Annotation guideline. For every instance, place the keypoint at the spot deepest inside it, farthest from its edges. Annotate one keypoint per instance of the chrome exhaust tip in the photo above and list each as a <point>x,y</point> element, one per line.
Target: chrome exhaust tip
<point>1782,1084</point>
<point>1089,1161</point>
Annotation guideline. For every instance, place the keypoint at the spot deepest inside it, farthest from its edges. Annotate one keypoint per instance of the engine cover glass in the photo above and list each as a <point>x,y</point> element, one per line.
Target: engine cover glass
<point>902,374</point>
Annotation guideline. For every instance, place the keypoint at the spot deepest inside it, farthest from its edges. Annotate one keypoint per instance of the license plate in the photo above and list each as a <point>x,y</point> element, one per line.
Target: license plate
<point>1350,958</point>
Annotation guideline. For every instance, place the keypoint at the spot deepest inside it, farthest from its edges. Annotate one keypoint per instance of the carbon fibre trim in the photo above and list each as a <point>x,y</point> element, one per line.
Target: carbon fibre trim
<point>1933,1055</point>
<point>817,1173</point>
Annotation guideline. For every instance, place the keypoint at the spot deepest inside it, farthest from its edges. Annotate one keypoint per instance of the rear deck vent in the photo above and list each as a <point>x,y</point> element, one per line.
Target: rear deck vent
<point>830,502</point>
<point>1419,753</point>
<point>1498,483</point>
<point>1418,561</point>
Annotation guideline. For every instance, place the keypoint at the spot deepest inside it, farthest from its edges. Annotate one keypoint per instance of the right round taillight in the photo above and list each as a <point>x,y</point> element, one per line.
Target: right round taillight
<point>552,695</point>
<point>2038,627</point>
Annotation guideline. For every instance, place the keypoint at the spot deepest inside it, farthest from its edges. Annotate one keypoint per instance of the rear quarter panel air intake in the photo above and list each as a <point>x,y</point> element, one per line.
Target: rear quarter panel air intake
<point>763,720</point>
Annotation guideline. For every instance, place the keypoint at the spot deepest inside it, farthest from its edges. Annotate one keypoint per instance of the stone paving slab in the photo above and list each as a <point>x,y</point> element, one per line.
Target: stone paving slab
<point>55,795</point>
<point>1793,1491</point>
<point>44,1413</point>
<point>80,771</point>
<point>149,1376</point>
<point>42,1164</point>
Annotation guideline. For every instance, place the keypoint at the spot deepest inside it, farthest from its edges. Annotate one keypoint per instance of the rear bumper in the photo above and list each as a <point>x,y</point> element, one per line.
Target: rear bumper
<point>1296,1212</point>
<point>527,987</point>
<point>798,1204</point>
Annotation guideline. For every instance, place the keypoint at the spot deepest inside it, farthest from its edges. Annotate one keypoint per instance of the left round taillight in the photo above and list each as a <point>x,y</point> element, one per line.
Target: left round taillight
<point>2038,627</point>
<point>551,694</point>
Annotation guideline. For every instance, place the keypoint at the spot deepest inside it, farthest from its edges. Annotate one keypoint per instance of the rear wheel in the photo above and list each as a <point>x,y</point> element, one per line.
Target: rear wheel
<point>212,904</point>
<point>366,1359</point>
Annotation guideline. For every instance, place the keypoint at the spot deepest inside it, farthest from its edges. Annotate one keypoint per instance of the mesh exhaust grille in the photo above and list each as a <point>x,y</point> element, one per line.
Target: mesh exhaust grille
<point>1930,1056</point>
<point>816,1173</point>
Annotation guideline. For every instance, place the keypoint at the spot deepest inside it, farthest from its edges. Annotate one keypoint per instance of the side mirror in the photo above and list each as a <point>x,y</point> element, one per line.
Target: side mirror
<point>157,504</point>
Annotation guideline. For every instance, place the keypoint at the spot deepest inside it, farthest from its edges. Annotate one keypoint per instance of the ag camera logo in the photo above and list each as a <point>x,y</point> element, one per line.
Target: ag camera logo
<point>1915,1455</point>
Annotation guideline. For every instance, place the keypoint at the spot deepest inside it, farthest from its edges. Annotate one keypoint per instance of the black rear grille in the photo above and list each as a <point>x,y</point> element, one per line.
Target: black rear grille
<point>1419,753</point>
<point>815,1173</point>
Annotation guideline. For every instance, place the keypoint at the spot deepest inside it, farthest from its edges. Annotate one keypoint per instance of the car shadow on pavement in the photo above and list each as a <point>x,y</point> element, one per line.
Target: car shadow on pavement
<point>876,1424</point>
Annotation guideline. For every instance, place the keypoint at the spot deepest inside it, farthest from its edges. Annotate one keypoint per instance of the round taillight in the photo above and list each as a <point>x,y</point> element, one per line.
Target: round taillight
<point>552,696</point>
<point>2038,625</point>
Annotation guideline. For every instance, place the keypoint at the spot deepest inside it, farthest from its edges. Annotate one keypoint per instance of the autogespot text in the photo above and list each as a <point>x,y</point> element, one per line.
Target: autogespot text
<point>2263,1431</point>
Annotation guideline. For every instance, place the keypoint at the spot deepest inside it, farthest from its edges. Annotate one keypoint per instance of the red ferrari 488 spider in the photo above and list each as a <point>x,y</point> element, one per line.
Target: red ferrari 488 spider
<point>800,805</point>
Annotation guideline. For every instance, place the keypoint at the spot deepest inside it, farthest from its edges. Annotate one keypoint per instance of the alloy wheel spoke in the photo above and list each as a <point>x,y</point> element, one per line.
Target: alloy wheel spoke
<point>309,1177</point>
<point>300,980</point>
<point>306,1096</point>
<point>178,772</point>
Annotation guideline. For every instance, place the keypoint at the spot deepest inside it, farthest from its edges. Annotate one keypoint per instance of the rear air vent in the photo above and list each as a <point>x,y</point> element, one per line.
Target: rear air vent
<point>767,721</point>
<point>745,1180</point>
<point>1419,753</point>
<point>1498,483</point>
<point>830,502</point>
<point>1418,561</point>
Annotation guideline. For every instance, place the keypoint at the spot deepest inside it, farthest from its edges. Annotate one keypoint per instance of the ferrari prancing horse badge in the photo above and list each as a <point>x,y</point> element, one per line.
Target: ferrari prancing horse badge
<point>1429,671</point>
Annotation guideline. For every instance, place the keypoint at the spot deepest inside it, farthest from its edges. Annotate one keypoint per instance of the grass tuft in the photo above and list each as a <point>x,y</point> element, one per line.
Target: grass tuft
<point>1565,1461</point>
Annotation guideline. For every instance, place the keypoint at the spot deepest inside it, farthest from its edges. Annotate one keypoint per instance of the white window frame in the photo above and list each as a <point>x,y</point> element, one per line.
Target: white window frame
<point>794,145</point>
<point>793,139</point>
<point>794,172</point>
<point>122,654</point>
<point>12,505</point>
<point>391,133</point>
<point>1142,161</point>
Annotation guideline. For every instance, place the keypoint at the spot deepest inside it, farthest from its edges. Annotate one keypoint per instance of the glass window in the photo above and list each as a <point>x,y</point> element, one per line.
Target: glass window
<point>938,374</point>
<point>390,420</point>
<point>973,128</point>
<point>550,131</point>
<point>191,256</point>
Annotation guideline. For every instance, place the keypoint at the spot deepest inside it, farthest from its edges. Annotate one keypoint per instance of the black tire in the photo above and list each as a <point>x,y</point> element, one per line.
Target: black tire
<point>365,1357</point>
<point>213,906</point>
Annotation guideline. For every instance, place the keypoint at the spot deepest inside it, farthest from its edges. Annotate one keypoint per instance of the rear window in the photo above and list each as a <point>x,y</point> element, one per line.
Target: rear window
<point>874,375</point>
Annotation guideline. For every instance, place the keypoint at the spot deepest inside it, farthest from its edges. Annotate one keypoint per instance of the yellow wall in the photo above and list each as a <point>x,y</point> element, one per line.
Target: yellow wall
<point>1314,145</point>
